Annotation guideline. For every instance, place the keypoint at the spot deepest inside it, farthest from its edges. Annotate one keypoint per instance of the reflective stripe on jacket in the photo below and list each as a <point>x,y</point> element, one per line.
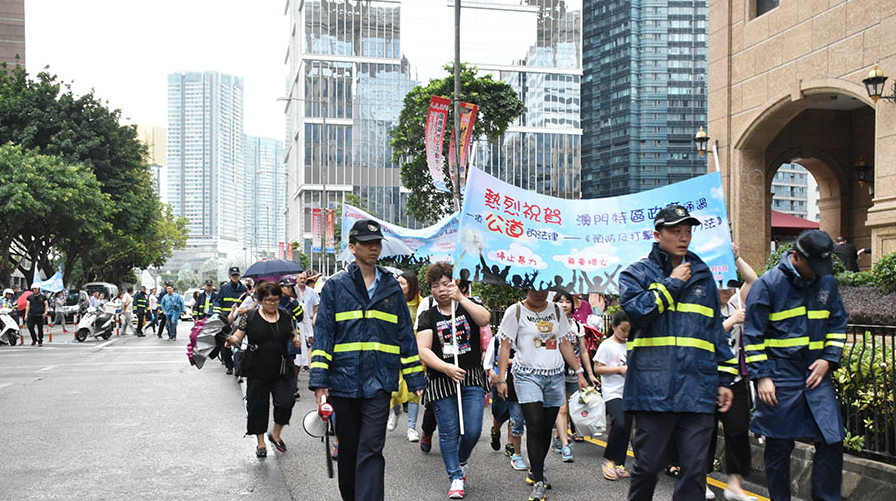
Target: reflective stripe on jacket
<point>678,353</point>
<point>791,323</point>
<point>228,297</point>
<point>361,344</point>
<point>293,307</point>
<point>141,303</point>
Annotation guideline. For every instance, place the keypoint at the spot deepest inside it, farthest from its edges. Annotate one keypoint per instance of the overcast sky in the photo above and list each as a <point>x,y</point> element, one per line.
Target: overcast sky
<point>125,50</point>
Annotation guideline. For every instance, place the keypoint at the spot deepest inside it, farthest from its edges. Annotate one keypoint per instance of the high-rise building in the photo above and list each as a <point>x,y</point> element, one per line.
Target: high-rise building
<point>643,94</point>
<point>268,187</point>
<point>347,83</point>
<point>206,170</point>
<point>12,32</point>
<point>795,192</point>
<point>155,137</point>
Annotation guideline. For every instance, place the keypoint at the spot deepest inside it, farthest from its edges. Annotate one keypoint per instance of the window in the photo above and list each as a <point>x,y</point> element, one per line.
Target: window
<point>763,6</point>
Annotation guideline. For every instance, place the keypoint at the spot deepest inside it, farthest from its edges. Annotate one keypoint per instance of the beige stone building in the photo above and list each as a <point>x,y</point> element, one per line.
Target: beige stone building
<point>785,85</point>
<point>12,32</point>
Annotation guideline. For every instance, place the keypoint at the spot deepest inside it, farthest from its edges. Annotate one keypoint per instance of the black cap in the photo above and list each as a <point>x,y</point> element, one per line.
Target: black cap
<point>816,246</point>
<point>168,283</point>
<point>285,282</point>
<point>365,230</point>
<point>234,270</point>
<point>674,215</point>
<point>209,282</point>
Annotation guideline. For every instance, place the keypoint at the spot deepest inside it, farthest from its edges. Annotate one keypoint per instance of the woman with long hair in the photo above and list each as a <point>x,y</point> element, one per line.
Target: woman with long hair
<point>410,286</point>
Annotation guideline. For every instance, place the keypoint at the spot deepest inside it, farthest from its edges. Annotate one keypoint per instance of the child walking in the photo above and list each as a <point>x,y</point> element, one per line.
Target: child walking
<point>609,362</point>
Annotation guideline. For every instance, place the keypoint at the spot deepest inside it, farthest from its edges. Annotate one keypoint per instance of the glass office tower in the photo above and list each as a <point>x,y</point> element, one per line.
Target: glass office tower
<point>644,94</point>
<point>268,188</point>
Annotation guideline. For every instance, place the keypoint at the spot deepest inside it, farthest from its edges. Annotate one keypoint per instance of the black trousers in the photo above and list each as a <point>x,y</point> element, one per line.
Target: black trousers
<point>653,433</point>
<point>429,420</point>
<point>361,430</point>
<point>259,393</point>
<point>736,423</point>
<point>161,323</point>
<point>827,469</point>
<point>36,322</point>
<point>227,357</point>
<point>620,432</point>
<point>141,320</point>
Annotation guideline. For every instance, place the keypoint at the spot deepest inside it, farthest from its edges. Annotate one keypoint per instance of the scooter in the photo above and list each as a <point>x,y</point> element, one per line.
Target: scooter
<point>95,322</point>
<point>9,329</point>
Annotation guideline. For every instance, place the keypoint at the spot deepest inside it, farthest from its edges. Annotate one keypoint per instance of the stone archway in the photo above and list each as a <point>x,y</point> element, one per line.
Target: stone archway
<point>825,128</point>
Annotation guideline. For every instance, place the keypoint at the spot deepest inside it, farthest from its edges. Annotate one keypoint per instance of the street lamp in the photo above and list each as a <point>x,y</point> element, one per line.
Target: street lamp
<point>701,139</point>
<point>874,84</point>
<point>864,172</point>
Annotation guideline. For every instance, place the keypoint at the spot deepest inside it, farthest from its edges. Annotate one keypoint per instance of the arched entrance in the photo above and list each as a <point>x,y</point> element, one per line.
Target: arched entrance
<point>827,129</point>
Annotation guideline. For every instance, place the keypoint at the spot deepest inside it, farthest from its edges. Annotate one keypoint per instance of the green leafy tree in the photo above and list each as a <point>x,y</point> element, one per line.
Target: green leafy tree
<point>43,114</point>
<point>44,201</point>
<point>498,105</point>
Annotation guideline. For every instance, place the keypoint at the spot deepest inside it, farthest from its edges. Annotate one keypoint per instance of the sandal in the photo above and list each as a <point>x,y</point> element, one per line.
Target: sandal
<point>261,452</point>
<point>673,470</point>
<point>281,445</point>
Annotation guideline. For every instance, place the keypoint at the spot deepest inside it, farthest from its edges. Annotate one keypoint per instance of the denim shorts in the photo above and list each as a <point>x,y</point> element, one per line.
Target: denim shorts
<point>503,410</point>
<point>549,390</point>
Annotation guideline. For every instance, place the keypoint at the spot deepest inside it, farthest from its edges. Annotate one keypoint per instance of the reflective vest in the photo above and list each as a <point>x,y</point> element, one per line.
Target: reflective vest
<point>228,296</point>
<point>141,303</point>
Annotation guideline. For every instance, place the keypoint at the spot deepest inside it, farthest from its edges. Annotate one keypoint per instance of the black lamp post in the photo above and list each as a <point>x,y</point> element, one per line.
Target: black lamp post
<point>702,141</point>
<point>874,84</point>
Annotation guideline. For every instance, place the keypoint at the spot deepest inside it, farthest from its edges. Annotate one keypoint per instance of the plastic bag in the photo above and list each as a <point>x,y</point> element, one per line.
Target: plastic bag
<point>587,411</point>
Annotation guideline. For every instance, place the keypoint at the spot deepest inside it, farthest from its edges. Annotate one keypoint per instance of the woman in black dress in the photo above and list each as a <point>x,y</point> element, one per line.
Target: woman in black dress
<point>268,373</point>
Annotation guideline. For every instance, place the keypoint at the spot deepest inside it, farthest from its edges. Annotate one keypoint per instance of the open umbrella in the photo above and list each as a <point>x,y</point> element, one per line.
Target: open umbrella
<point>206,339</point>
<point>391,247</point>
<point>273,267</point>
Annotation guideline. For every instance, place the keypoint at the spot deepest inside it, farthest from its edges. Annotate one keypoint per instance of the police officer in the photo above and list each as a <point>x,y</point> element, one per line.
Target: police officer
<point>159,311</point>
<point>679,362</point>
<point>229,296</point>
<point>363,335</point>
<point>793,335</point>
<point>202,307</point>
<point>141,308</point>
<point>288,299</point>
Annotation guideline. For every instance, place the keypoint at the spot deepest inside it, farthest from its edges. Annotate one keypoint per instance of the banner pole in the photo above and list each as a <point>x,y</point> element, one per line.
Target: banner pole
<point>455,182</point>
<point>460,407</point>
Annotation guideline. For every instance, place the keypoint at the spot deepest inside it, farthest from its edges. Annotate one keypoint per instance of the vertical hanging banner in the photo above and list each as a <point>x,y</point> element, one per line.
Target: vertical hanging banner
<point>280,252</point>
<point>316,227</point>
<point>467,122</point>
<point>436,120</point>
<point>330,231</point>
<point>511,236</point>
<point>289,251</point>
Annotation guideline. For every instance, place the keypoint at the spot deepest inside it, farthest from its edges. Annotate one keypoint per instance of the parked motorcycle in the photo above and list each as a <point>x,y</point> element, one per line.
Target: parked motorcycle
<point>9,329</point>
<point>95,322</point>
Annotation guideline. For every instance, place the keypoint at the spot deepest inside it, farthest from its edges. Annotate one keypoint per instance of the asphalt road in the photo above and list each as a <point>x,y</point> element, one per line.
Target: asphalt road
<point>129,418</point>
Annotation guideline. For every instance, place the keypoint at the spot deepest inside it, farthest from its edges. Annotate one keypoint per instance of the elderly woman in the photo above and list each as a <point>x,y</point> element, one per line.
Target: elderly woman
<point>267,370</point>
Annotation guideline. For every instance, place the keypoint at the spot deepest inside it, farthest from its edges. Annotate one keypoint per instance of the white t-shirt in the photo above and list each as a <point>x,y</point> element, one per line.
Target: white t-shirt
<point>536,337</point>
<point>734,336</point>
<point>612,354</point>
<point>309,300</point>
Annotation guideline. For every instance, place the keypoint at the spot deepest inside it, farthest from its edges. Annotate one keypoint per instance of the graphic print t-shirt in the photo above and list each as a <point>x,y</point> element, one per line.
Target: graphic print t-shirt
<point>537,336</point>
<point>469,353</point>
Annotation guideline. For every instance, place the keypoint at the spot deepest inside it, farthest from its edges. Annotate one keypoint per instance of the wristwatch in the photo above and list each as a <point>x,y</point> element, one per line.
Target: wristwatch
<point>580,370</point>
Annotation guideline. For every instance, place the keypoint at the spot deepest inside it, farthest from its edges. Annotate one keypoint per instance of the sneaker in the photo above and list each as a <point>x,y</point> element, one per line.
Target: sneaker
<point>463,469</point>
<point>531,481</point>
<point>413,436</point>
<point>621,473</point>
<point>496,439</point>
<point>334,451</point>
<point>731,496</point>
<point>508,450</point>
<point>566,454</point>
<point>393,421</point>
<point>229,372</point>
<point>556,445</point>
<point>710,495</point>
<point>518,463</point>
<point>609,470</point>
<point>538,492</point>
<point>456,491</point>
<point>426,443</point>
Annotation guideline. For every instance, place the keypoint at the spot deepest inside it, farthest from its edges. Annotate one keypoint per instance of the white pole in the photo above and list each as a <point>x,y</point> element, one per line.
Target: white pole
<point>715,155</point>
<point>460,407</point>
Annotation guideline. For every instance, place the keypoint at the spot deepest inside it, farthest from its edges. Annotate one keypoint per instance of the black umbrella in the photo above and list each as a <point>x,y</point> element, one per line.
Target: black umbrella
<point>273,267</point>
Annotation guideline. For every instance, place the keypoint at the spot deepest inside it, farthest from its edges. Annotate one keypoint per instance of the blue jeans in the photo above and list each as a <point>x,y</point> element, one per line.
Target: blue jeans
<point>412,415</point>
<point>171,325</point>
<point>456,449</point>
<point>503,410</point>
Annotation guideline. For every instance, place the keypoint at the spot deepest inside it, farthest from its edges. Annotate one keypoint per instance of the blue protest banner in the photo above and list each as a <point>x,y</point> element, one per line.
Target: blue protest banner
<point>512,236</point>
<point>433,243</point>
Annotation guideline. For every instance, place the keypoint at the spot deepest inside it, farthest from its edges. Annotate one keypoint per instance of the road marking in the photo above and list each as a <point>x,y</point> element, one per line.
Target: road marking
<point>709,480</point>
<point>4,385</point>
<point>46,368</point>
<point>87,364</point>
<point>107,343</point>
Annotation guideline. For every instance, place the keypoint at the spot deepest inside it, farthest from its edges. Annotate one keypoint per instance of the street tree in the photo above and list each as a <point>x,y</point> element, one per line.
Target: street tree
<point>499,106</point>
<point>43,114</point>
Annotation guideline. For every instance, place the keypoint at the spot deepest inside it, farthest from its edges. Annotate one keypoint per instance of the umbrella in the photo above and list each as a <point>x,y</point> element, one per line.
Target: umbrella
<point>391,247</point>
<point>206,339</point>
<point>273,267</point>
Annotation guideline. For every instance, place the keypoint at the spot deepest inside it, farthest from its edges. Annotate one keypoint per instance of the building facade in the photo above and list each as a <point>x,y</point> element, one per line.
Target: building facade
<point>155,138</point>
<point>785,85</point>
<point>206,165</point>
<point>643,94</point>
<point>12,32</point>
<point>268,190</point>
<point>790,190</point>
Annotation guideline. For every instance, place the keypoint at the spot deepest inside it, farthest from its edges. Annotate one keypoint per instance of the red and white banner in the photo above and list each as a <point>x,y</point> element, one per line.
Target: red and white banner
<point>289,251</point>
<point>467,122</point>
<point>436,121</point>
<point>280,252</point>
<point>316,227</point>
<point>330,231</point>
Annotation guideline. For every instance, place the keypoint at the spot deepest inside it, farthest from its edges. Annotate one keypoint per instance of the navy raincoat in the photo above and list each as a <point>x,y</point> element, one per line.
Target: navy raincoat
<point>678,353</point>
<point>790,324</point>
<point>360,344</point>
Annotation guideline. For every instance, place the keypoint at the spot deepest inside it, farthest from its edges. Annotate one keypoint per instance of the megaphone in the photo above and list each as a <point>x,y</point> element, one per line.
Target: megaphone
<point>317,423</point>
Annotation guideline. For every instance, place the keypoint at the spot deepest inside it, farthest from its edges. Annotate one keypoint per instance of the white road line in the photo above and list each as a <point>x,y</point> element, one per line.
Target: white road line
<point>49,367</point>
<point>86,364</point>
<point>107,343</point>
<point>4,385</point>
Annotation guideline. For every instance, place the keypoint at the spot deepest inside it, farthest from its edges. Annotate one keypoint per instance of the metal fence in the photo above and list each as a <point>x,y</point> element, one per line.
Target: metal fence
<point>866,383</point>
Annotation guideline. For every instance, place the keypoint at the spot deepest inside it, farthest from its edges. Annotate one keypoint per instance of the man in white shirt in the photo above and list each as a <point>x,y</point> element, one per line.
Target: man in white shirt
<point>310,301</point>
<point>127,311</point>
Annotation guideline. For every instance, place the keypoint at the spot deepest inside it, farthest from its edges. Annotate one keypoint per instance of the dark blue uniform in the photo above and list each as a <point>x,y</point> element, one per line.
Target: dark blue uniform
<point>228,298</point>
